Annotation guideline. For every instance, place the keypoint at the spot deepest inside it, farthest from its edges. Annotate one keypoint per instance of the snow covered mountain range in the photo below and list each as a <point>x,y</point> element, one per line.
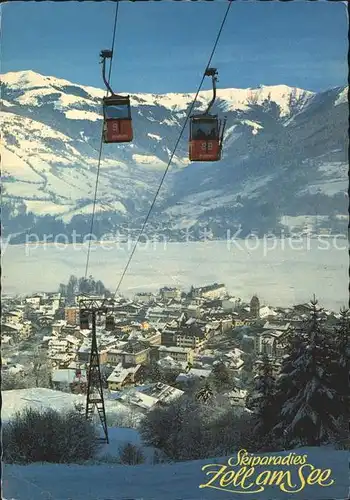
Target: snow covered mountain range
<point>285,158</point>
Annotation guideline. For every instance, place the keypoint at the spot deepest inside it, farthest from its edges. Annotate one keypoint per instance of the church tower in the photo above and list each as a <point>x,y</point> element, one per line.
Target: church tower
<point>255,307</point>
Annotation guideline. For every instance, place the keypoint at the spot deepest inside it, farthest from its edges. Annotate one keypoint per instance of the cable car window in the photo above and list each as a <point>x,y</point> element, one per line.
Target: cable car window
<point>117,112</point>
<point>204,130</point>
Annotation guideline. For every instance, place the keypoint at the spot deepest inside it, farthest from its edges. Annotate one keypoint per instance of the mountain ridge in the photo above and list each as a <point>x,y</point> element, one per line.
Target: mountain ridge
<point>51,133</point>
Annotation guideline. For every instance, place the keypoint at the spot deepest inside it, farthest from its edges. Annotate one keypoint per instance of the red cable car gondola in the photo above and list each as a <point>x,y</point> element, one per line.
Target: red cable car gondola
<point>206,131</point>
<point>117,125</point>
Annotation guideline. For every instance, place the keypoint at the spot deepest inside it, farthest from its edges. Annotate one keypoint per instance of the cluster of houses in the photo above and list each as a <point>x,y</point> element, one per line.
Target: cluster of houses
<point>180,333</point>
<point>21,318</point>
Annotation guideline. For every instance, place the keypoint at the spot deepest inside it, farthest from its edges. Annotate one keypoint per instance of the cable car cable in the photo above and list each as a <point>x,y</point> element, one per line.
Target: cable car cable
<point>113,40</point>
<point>101,146</point>
<point>174,150</point>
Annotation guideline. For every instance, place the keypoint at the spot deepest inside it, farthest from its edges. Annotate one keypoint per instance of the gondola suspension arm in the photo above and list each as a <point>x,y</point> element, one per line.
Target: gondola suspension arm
<point>212,72</point>
<point>106,54</point>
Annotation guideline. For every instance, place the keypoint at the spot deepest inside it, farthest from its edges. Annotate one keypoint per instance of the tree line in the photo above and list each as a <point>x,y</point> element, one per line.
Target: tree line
<point>76,286</point>
<point>308,402</point>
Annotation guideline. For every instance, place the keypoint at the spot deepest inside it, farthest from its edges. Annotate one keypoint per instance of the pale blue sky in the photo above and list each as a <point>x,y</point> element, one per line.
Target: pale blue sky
<point>164,46</point>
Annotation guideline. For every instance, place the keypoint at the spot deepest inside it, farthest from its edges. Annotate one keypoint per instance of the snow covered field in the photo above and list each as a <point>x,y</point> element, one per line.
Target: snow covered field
<point>41,399</point>
<point>281,274</point>
<point>177,481</point>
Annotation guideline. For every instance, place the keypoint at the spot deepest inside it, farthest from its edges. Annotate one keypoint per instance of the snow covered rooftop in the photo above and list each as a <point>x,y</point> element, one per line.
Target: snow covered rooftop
<point>84,348</point>
<point>5,339</point>
<point>266,311</point>
<point>169,362</point>
<point>12,326</point>
<point>276,326</point>
<point>72,339</point>
<point>17,368</point>
<point>119,373</point>
<point>140,399</point>
<point>184,350</point>
<point>271,333</point>
<point>234,353</point>
<point>193,373</point>
<point>67,376</point>
<point>236,394</point>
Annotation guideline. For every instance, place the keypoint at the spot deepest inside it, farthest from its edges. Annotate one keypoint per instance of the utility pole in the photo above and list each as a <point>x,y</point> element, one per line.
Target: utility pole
<point>89,308</point>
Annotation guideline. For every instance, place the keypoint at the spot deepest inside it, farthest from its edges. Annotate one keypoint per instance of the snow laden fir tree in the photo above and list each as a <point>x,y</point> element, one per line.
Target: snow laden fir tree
<point>262,401</point>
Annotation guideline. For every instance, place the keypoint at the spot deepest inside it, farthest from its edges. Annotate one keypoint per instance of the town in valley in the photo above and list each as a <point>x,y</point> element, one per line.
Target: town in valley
<point>160,346</point>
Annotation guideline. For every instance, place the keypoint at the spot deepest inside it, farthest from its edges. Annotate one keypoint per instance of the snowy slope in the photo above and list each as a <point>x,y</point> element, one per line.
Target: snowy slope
<point>178,481</point>
<point>41,399</point>
<point>275,135</point>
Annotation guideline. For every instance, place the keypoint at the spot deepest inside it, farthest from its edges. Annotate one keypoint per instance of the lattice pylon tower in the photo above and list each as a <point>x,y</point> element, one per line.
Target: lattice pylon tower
<point>94,398</point>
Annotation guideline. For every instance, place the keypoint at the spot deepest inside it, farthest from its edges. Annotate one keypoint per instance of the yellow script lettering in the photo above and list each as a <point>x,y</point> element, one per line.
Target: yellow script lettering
<point>301,476</point>
<point>216,473</point>
<point>326,473</point>
<point>313,477</point>
<point>278,476</point>
<point>286,460</point>
<point>277,460</point>
<point>240,454</point>
<point>247,474</point>
<point>263,478</point>
<point>227,478</point>
<point>256,461</point>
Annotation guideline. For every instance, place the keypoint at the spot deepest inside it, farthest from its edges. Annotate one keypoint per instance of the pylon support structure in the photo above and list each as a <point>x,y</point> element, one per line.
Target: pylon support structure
<point>94,397</point>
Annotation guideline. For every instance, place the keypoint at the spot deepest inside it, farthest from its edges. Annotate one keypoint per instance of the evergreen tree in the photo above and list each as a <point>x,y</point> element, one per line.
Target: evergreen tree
<point>71,288</point>
<point>340,365</point>
<point>155,373</point>
<point>205,394</point>
<point>91,285</point>
<point>222,377</point>
<point>100,288</point>
<point>286,386</point>
<point>83,286</point>
<point>262,401</point>
<point>62,289</point>
<point>309,404</point>
<point>131,454</point>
